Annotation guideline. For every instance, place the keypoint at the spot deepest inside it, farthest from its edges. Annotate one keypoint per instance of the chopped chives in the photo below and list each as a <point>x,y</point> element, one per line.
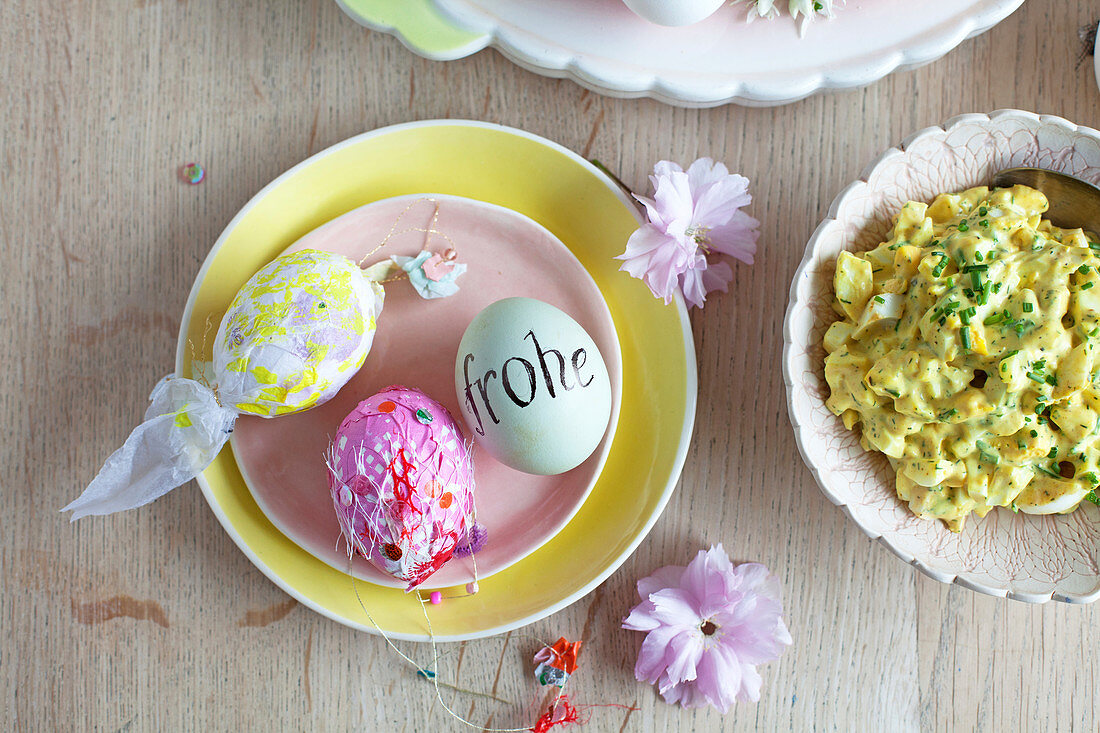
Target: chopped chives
<point>1035,377</point>
<point>1028,307</point>
<point>1083,269</point>
<point>1087,286</point>
<point>941,266</point>
<point>963,226</point>
<point>995,318</point>
<point>965,333</point>
<point>1052,380</point>
<point>880,299</point>
<point>983,211</point>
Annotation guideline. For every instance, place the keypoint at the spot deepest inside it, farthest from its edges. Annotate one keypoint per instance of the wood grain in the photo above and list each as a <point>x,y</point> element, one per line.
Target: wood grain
<point>100,243</point>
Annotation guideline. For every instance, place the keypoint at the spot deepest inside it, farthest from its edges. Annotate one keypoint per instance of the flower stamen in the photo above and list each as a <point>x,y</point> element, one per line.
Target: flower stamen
<point>708,628</point>
<point>701,236</point>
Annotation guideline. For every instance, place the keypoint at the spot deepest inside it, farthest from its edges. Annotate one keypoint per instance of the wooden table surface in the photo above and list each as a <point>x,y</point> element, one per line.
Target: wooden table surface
<point>100,243</point>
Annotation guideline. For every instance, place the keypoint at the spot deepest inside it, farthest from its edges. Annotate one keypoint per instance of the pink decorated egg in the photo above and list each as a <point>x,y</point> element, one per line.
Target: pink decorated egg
<point>402,483</point>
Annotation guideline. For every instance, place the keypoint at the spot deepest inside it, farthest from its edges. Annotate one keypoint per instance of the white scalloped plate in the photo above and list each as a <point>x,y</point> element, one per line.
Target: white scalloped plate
<point>1026,558</point>
<point>603,46</point>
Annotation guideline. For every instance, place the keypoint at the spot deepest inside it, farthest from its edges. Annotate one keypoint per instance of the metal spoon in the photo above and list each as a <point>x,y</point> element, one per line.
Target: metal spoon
<point>1073,202</point>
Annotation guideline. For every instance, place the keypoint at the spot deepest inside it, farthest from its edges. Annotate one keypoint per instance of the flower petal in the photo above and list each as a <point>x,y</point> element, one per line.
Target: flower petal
<point>754,630</point>
<point>684,652</point>
<point>691,284</point>
<point>752,576</point>
<point>673,204</point>
<point>705,172</point>
<point>641,618</point>
<point>705,576</point>
<point>676,607</point>
<point>685,694</point>
<point>782,634</point>
<point>666,577</point>
<point>652,657</point>
<point>719,677</point>
<point>736,238</point>
<point>663,169</point>
<point>717,276</point>
<point>751,682</point>
<point>654,258</point>
<point>719,201</point>
<point>651,210</point>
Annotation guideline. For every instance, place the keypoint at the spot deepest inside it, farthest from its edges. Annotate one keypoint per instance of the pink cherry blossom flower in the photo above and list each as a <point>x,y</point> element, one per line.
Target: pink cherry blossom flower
<point>708,627</point>
<point>695,221</point>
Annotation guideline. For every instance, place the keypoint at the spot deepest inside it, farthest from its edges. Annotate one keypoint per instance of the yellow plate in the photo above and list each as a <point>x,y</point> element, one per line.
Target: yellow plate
<point>594,218</point>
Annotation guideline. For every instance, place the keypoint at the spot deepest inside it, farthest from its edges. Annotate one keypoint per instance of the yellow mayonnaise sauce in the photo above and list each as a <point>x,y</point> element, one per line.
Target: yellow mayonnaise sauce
<point>967,353</point>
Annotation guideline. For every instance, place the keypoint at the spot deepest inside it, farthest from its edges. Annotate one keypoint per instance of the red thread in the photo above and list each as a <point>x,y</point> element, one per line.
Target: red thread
<point>403,488</point>
<point>560,712</point>
<point>402,479</point>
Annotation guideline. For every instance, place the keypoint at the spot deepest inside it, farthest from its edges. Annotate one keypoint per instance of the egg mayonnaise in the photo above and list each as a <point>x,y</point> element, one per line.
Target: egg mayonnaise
<point>967,352</point>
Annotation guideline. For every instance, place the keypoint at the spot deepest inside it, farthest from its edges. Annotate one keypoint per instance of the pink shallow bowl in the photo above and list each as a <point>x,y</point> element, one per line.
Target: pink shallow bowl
<point>415,345</point>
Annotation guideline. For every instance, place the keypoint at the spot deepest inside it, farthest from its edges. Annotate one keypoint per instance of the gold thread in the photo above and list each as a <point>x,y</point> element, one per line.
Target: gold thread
<point>435,660</point>
<point>198,366</point>
<point>393,233</point>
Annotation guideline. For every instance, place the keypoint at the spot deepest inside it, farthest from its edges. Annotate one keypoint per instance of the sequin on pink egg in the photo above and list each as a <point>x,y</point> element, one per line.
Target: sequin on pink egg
<point>410,483</point>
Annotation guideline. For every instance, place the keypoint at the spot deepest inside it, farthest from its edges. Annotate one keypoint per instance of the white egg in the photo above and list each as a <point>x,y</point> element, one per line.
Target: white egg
<point>674,12</point>
<point>532,386</point>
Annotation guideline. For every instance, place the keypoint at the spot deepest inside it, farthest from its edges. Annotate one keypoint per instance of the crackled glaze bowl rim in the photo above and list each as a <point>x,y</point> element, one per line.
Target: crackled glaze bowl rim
<point>804,434</point>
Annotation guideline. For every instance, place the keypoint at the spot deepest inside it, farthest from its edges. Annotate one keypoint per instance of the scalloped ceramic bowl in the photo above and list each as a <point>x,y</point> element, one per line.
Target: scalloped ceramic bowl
<point>602,45</point>
<point>1027,558</point>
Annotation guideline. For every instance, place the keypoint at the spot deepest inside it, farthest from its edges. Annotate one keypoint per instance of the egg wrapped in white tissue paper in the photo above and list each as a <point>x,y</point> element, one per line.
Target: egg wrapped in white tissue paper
<point>293,335</point>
